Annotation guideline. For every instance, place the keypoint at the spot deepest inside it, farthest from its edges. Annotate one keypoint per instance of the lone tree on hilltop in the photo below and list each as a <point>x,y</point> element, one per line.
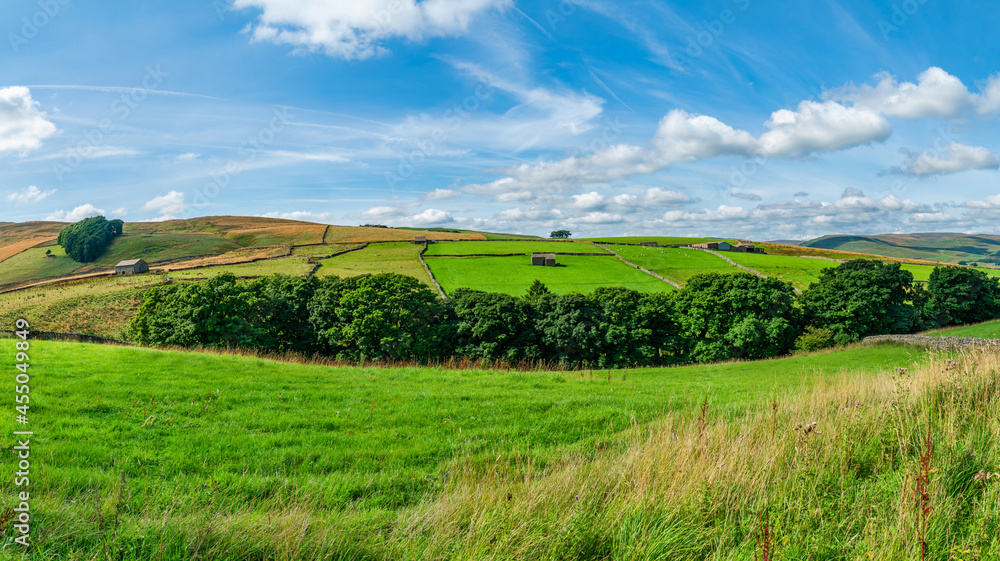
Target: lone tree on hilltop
<point>561,234</point>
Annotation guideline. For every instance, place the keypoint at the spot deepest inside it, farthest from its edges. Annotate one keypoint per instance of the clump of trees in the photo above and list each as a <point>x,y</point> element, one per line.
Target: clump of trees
<point>87,239</point>
<point>714,318</point>
<point>560,234</point>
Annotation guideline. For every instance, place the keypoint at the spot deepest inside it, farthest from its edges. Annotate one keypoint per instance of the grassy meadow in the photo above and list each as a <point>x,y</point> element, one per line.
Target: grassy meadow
<point>988,330</point>
<point>506,247</point>
<point>295,266</point>
<point>800,272</point>
<point>662,240</point>
<point>678,265</point>
<point>401,257</point>
<point>179,455</point>
<point>513,275</point>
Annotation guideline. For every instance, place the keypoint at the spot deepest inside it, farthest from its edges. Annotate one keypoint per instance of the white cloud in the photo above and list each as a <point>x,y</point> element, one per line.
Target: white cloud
<point>380,212</point>
<point>359,28</point>
<point>989,100</point>
<point>22,125</point>
<point>683,137</point>
<point>821,127</point>
<point>301,215</point>
<point>188,156</point>
<point>959,157</point>
<point>440,194</point>
<point>430,217</point>
<point>936,94</point>
<point>168,206</point>
<point>75,215</point>
<point>30,195</point>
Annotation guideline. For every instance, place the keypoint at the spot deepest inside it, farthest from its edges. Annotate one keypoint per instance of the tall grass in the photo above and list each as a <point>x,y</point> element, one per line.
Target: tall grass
<point>836,475</point>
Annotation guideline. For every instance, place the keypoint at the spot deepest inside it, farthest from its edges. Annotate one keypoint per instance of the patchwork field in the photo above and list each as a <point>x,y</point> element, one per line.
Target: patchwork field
<point>513,275</point>
<point>16,247</point>
<point>340,234</point>
<point>800,272</point>
<point>294,266</point>
<point>678,265</point>
<point>401,258</point>
<point>945,248</point>
<point>504,247</point>
<point>662,240</point>
<point>278,235</point>
<point>245,458</point>
<point>229,258</point>
<point>323,250</point>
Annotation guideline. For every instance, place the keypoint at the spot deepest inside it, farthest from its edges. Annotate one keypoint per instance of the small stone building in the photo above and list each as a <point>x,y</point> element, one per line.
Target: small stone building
<point>543,259</point>
<point>420,239</point>
<point>131,267</point>
<point>747,248</point>
<point>721,246</point>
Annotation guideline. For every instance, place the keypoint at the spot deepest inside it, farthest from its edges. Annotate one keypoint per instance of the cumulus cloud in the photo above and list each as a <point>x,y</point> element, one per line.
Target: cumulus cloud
<point>936,94</point>
<point>430,217</point>
<point>958,157</point>
<point>821,127</point>
<point>683,137</point>
<point>359,29</point>
<point>188,157</point>
<point>75,215</point>
<point>440,194</point>
<point>168,206</point>
<point>989,100</point>
<point>30,195</point>
<point>301,215</point>
<point>22,126</point>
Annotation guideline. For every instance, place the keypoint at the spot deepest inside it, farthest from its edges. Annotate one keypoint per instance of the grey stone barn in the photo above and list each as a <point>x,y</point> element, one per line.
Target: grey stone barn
<point>420,239</point>
<point>543,259</point>
<point>131,267</point>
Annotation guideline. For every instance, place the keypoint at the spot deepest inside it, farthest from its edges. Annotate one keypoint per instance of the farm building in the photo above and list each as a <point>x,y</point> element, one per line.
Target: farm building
<point>649,244</point>
<point>747,248</point>
<point>543,259</point>
<point>420,239</point>
<point>131,267</point>
<point>722,246</point>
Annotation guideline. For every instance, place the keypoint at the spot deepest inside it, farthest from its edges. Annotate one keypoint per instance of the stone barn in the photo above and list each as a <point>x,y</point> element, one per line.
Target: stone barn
<point>543,259</point>
<point>131,267</point>
<point>420,239</point>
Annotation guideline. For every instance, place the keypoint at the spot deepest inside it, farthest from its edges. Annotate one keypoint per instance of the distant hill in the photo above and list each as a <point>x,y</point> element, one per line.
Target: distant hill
<point>983,250</point>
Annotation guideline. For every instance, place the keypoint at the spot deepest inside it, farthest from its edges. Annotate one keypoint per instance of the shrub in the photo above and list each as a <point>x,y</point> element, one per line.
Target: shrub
<point>814,339</point>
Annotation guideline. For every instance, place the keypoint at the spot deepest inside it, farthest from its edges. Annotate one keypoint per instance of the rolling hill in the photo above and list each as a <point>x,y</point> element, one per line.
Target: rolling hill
<point>983,250</point>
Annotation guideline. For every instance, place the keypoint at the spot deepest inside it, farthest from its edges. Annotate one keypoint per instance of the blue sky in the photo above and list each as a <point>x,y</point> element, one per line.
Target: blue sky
<point>750,118</point>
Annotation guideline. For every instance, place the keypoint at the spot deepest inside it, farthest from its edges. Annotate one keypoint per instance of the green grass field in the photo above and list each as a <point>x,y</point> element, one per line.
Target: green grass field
<point>662,240</point>
<point>160,247</point>
<point>139,451</point>
<point>33,265</point>
<point>800,272</point>
<point>322,250</point>
<point>99,306</point>
<point>678,265</point>
<point>988,330</point>
<point>295,266</point>
<point>399,257</point>
<point>503,247</point>
<point>513,275</point>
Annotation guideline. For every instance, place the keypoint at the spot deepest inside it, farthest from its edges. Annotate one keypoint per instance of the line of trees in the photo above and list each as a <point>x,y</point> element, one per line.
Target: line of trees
<point>715,317</point>
<point>86,240</point>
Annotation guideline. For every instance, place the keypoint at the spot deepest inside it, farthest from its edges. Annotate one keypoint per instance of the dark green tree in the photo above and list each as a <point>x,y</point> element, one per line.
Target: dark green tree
<point>536,291</point>
<point>726,317</point>
<point>859,298</point>
<point>561,234</point>
<point>638,329</point>
<point>87,239</point>
<point>494,326</point>
<point>378,317</point>
<point>220,312</point>
<point>959,295</point>
<point>570,329</point>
